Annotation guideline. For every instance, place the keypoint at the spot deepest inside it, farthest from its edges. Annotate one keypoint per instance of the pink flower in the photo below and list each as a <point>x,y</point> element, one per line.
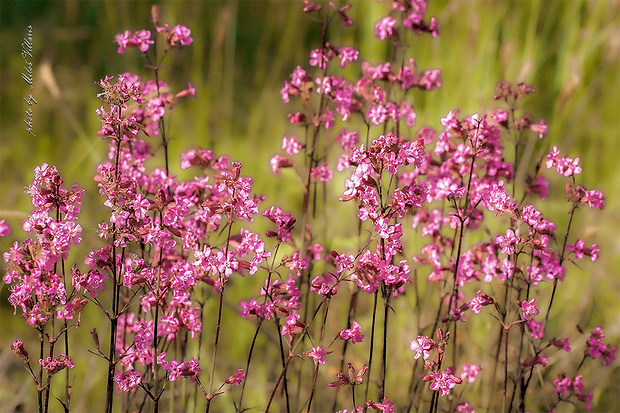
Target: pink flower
<point>237,378</point>
<point>481,300</point>
<point>177,37</point>
<point>565,166</point>
<point>291,145</point>
<point>563,344</point>
<point>325,285</point>
<point>278,162</point>
<point>297,117</point>
<point>463,407</point>
<point>284,221</point>
<point>565,388</point>
<point>421,346</point>
<point>385,28</point>
<point>54,366</point>
<point>128,380</point>
<point>317,354</point>
<point>293,325</point>
<point>315,251</point>
<point>529,308</point>
<point>442,382</point>
<point>123,41</point>
<point>506,243</point>
<point>354,333</point>
<point>142,39</point>
<point>385,407</point>
<point>377,114</point>
<point>470,372</point>
<point>188,368</point>
<point>536,329</point>
<point>595,199</point>
<point>318,58</point>
<point>4,228</point>
<point>180,36</point>
<point>19,350</point>
<point>321,173</point>
<point>596,348</point>
<point>541,128</point>
<point>609,355</point>
<point>353,379</point>
<point>347,54</point>
<point>580,250</point>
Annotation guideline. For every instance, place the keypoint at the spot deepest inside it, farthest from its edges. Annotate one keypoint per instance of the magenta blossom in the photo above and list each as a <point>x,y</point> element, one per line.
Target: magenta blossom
<point>128,380</point>
<point>385,28</point>
<point>596,348</point>
<point>470,371</point>
<point>4,228</point>
<point>565,166</point>
<point>529,308</point>
<point>237,378</point>
<point>317,354</point>
<point>443,382</point>
<point>421,346</point>
<point>354,333</point>
<point>61,362</point>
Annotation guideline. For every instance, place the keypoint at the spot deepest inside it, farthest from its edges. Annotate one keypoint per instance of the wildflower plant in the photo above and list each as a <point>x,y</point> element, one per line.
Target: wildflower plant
<point>447,224</point>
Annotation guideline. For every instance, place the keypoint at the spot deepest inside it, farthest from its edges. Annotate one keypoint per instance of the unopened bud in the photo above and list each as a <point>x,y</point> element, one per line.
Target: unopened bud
<point>95,338</point>
<point>20,351</point>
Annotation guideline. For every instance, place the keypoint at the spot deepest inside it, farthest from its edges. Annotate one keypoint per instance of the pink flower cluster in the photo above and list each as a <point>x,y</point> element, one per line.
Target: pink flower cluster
<point>354,333</point>
<point>140,39</point>
<point>237,378</point>
<point>566,388</point>
<point>56,365</point>
<point>36,286</point>
<point>596,348</point>
<point>565,166</point>
<point>178,36</point>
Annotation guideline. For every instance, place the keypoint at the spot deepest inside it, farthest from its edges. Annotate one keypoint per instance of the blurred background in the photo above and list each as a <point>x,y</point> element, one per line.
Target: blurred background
<point>242,53</point>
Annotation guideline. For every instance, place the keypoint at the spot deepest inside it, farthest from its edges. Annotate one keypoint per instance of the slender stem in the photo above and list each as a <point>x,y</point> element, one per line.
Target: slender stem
<point>40,383</point>
<point>162,126</point>
<point>156,322</point>
<point>68,385</point>
<point>352,307</point>
<point>555,281</point>
<point>372,344</point>
<point>284,366</point>
<point>217,336</point>
<point>275,388</point>
<point>197,383</point>
<point>115,295</point>
<point>48,388</point>
<point>453,295</point>
<point>219,312</point>
<point>290,355</point>
<point>434,402</point>
<point>64,282</point>
<point>316,373</point>
<point>247,364</point>
<point>316,370</point>
<point>497,353</point>
<point>384,353</point>
<point>505,368</point>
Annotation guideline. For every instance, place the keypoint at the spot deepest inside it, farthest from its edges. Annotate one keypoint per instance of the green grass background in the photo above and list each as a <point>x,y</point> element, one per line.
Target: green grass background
<point>241,55</point>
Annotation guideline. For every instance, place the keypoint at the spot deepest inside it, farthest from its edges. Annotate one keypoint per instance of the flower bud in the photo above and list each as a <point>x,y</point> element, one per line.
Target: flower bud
<point>20,351</point>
